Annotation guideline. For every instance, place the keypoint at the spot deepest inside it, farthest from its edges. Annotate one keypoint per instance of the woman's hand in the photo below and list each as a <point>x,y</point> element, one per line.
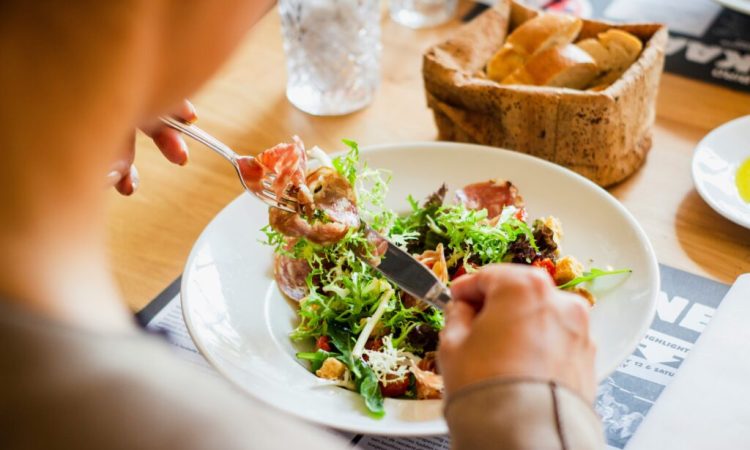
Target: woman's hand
<point>510,321</point>
<point>123,174</point>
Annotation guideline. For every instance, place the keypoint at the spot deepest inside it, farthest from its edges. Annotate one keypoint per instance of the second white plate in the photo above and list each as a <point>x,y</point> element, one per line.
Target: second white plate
<point>715,162</point>
<point>742,6</point>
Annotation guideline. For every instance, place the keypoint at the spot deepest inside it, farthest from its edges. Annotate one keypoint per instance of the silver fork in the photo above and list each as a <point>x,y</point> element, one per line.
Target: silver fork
<point>268,196</point>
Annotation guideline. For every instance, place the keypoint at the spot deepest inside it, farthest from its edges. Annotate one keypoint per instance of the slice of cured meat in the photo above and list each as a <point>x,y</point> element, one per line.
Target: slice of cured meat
<point>492,195</point>
<point>435,260</point>
<point>287,162</point>
<point>291,276</point>
<point>335,210</point>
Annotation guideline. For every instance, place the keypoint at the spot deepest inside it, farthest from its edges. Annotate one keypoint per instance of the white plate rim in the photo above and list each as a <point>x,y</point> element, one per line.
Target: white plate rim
<point>728,214</point>
<point>742,6</point>
<point>652,270</point>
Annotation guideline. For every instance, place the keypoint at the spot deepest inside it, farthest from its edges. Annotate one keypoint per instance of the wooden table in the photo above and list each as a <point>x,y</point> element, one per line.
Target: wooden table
<point>151,234</point>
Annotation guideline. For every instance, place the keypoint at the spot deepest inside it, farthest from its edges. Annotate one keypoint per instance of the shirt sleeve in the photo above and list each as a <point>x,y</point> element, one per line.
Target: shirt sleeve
<point>521,414</point>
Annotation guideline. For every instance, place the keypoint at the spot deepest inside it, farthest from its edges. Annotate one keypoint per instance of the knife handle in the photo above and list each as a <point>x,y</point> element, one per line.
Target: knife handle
<point>438,295</point>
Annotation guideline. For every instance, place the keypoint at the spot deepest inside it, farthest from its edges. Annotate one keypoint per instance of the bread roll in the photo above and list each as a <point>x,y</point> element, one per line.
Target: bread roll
<point>614,51</point>
<point>533,36</point>
<point>622,44</point>
<point>564,66</point>
<point>504,62</point>
<point>544,31</point>
<point>599,52</point>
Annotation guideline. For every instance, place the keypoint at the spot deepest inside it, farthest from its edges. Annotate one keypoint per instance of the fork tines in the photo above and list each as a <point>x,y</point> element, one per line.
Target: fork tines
<point>286,202</point>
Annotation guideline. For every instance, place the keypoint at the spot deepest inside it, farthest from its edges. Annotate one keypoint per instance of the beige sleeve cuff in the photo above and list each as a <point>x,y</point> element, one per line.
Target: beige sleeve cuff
<point>521,414</point>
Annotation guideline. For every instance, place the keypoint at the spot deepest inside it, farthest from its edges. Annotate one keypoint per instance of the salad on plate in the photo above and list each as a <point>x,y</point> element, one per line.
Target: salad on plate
<point>364,333</point>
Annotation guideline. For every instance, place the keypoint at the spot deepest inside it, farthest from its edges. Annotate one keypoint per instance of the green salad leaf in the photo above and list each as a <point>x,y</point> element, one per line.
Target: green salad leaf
<point>316,358</point>
<point>592,274</point>
<point>364,378</point>
<point>466,234</point>
<point>347,165</point>
<point>369,389</point>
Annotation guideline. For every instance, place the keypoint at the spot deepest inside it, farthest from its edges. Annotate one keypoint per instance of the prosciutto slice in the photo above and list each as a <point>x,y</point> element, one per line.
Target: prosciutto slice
<point>291,276</point>
<point>288,163</point>
<point>335,208</point>
<point>435,261</point>
<point>492,195</point>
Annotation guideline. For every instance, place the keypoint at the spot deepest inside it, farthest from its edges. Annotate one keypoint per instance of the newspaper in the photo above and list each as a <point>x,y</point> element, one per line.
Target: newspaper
<point>706,42</point>
<point>684,306</point>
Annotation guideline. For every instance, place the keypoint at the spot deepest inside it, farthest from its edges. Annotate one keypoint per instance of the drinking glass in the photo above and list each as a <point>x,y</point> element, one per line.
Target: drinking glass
<point>332,54</point>
<point>422,13</point>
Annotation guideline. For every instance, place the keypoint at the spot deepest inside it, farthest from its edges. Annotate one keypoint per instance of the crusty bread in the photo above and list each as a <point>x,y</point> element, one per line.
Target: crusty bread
<point>506,61</point>
<point>599,52</point>
<point>622,44</point>
<point>533,36</point>
<point>614,51</point>
<point>543,32</point>
<point>563,66</point>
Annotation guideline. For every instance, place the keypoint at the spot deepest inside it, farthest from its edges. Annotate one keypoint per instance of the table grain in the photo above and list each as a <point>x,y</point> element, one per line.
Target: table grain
<point>150,234</point>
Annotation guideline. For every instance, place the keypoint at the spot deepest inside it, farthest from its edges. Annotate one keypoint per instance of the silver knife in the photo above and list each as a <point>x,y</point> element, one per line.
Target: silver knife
<point>405,271</point>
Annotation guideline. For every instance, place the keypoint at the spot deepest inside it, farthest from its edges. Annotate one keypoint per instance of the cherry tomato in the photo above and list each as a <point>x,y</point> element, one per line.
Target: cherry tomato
<point>374,344</point>
<point>323,343</point>
<point>395,388</point>
<point>545,264</point>
<point>521,214</point>
<point>461,271</point>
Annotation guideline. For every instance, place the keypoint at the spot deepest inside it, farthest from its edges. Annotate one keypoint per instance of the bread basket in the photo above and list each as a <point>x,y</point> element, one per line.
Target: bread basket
<point>603,135</point>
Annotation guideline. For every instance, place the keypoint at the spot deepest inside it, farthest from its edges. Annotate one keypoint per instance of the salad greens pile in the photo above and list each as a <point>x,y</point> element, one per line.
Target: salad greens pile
<point>348,301</point>
<point>350,306</point>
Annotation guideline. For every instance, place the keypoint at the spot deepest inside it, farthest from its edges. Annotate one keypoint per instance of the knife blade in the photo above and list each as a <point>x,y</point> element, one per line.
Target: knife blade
<point>405,271</point>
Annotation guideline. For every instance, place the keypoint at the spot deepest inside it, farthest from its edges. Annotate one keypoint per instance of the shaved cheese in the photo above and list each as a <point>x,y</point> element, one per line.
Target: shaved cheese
<point>389,363</point>
<point>508,213</point>
<point>322,157</point>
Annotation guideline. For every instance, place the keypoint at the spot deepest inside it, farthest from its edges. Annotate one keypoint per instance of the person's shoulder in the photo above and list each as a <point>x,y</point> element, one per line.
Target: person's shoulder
<point>132,392</point>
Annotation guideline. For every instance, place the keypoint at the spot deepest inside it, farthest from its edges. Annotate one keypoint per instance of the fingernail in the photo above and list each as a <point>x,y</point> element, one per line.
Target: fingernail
<point>186,152</point>
<point>193,114</point>
<point>113,178</point>
<point>134,178</point>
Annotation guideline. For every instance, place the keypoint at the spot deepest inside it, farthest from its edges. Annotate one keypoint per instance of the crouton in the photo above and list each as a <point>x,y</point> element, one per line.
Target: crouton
<point>549,233</point>
<point>429,384</point>
<point>566,269</point>
<point>332,369</point>
<point>553,223</point>
<point>585,293</point>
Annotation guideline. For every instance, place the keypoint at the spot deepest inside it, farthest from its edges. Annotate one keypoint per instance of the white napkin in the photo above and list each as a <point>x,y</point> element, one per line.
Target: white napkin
<point>707,405</point>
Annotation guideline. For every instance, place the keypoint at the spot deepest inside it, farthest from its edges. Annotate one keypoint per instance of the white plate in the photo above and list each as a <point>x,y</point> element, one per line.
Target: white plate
<point>240,321</point>
<point>715,163</point>
<point>742,6</point>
